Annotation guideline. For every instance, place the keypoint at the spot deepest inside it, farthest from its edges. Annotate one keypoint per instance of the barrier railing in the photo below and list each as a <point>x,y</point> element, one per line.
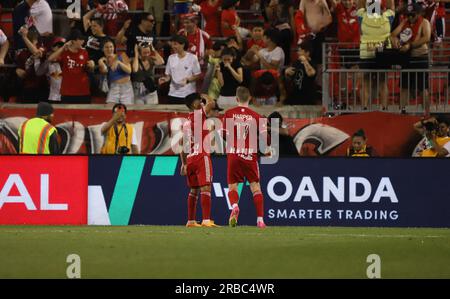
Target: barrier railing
<point>350,84</point>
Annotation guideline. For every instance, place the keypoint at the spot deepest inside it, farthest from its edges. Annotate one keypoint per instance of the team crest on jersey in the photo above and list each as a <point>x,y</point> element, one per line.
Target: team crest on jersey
<point>81,56</point>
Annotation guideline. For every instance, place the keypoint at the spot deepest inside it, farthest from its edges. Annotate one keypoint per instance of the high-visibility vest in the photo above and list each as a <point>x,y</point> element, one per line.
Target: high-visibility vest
<point>34,136</point>
<point>115,138</point>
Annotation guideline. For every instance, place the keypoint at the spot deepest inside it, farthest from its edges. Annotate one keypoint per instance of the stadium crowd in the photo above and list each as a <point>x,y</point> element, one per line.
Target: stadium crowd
<point>155,51</point>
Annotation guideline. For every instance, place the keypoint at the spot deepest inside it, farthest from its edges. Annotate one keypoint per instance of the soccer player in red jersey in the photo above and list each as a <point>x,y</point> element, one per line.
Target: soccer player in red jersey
<point>243,125</point>
<point>196,162</point>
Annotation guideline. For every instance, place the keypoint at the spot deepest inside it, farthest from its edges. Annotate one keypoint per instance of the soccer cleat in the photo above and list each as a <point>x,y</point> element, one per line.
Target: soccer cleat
<point>234,217</point>
<point>261,224</point>
<point>210,223</point>
<point>193,224</point>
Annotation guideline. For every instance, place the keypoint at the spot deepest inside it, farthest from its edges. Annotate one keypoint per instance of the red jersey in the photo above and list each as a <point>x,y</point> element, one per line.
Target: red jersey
<point>245,125</point>
<point>348,26</point>
<point>230,17</point>
<point>75,81</point>
<point>198,142</point>
<point>211,14</point>
<point>259,43</point>
<point>198,43</point>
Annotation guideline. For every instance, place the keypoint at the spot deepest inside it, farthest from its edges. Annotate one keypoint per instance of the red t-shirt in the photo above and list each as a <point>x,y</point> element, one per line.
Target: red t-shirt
<point>196,46</point>
<point>75,81</point>
<point>252,42</point>
<point>230,17</point>
<point>245,124</point>
<point>348,26</point>
<point>197,148</point>
<point>212,17</point>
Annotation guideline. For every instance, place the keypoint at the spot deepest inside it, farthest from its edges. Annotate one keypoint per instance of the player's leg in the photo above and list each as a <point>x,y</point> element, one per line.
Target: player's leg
<point>258,200</point>
<point>192,207</point>
<point>193,195</point>
<point>234,176</point>
<point>233,197</point>
<point>204,177</point>
<point>252,174</point>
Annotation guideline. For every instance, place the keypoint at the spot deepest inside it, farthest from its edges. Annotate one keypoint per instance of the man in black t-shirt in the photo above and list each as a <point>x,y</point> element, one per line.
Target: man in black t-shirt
<point>143,32</point>
<point>301,77</point>
<point>93,27</point>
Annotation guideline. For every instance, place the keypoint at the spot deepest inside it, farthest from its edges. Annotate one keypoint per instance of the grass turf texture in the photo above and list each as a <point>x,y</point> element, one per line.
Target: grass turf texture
<point>242,252</point>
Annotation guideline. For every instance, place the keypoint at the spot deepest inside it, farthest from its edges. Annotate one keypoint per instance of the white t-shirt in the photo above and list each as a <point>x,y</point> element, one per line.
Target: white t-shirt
<point>3,38</point>
<point>447,147</point>
<point>276,55</point>
<point>42,16</point>
<point>179,69</point>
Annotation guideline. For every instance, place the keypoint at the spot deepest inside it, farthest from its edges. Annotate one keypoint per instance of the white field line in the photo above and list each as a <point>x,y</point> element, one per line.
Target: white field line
<point>259,233</point>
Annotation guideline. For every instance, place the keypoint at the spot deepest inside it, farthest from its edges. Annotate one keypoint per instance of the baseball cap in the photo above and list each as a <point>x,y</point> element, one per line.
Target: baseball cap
<point>44,109</point>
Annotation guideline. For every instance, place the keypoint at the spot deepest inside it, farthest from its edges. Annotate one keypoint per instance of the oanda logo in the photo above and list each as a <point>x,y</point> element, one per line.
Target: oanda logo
<point>359,190</point>
<point>24,196</point>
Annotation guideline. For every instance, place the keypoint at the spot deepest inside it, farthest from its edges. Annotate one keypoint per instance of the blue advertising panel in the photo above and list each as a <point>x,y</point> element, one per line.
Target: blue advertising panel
<point>297,191</point>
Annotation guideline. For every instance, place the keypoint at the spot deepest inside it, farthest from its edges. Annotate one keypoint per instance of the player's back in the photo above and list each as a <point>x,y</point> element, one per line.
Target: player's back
<point>242,127</point>
<point>195,130</point>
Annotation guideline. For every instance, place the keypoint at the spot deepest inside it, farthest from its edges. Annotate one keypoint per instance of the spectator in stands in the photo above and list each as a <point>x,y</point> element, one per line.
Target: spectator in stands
<point>266,87</point>
<point>109,11</point>
<point>286,146</point>
<point>118,69</point>
<point>317,18</point>
<point>348,31</point>
<point>4,47</point>
<point>93,27</point>
<point>211,11</point>
<point>75,65</point>
<point>411,37</point>
<point>229,18</point>
<point>156,8</point>
<point>235,42</point>
<point>254,45</point>
<point>199,40</point>
<point>272,56</point>
<point>375,36</point>
<point>436,142</point>
<point>280,14</point>
<point>33,88</point>
<point>120,136</point>
<point>51,69</point>
<point>21,15</point>
<point>359,147</point>
<point>182,70</point>
<point>256,41</point>
<point>143,32</point>
<point>211,85</point>
<point>230,75</point>
<point>42,17</point>
<point>143,77</point>
<point>300,78</point>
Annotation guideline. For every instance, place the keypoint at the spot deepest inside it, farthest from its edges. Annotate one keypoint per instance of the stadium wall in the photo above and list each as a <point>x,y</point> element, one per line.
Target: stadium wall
<point>80,131</point>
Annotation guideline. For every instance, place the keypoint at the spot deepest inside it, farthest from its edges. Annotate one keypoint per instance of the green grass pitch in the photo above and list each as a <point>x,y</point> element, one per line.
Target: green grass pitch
<point>242,252</point>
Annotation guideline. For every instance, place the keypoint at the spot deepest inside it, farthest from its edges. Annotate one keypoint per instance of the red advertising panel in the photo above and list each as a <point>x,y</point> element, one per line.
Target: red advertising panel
<point>43,190</point>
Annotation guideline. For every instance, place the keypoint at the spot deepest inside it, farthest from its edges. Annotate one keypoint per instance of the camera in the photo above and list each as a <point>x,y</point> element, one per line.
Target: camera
<point>123,150</point>
<point>431,126</point>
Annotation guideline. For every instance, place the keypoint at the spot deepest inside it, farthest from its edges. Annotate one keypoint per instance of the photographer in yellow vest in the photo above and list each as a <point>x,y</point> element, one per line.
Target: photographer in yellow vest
<point>37,135</point>
<point>120,137</point>
<point>359,146</point>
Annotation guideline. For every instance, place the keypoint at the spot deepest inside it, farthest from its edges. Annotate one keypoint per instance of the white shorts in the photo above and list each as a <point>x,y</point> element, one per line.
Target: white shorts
<point>120,93</point>
<point>151,98</point>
